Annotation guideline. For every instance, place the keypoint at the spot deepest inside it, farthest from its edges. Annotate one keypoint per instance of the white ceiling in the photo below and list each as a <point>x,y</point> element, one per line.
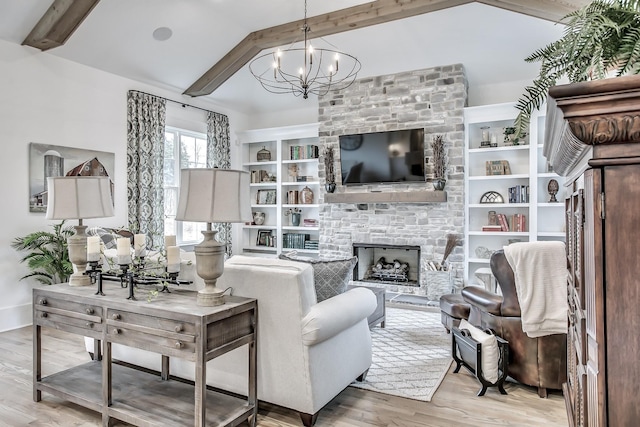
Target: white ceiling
<point>117,37</point>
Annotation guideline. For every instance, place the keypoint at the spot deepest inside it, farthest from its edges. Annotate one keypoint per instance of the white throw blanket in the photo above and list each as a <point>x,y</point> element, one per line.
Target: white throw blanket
<point>540,270</point>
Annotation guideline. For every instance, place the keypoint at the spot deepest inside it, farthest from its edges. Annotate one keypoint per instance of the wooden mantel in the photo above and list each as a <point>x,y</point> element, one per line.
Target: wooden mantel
<point>600,118</point>
<point>387,197</point>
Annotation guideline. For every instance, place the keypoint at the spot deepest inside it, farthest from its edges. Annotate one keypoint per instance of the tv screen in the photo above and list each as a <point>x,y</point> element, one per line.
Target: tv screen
<point>382,157</point>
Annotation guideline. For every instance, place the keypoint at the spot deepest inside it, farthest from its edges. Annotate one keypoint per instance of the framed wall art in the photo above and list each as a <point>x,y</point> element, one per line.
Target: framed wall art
<point>47,160</point>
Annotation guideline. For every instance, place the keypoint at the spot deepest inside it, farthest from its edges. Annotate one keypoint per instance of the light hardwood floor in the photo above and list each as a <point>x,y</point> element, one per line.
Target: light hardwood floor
<point>454,404</point>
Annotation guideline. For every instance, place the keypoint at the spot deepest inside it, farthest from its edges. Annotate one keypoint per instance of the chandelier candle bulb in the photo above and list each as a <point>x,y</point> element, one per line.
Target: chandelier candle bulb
<point>124,250</point>
<point>139,245</point>
<point>169,240</point>
<point>93,248</point>
<point>173,259</point>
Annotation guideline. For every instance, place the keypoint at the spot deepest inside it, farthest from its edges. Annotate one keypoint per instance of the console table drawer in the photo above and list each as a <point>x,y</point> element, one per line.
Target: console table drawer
<point>166,336</point>
<point>67,315</point>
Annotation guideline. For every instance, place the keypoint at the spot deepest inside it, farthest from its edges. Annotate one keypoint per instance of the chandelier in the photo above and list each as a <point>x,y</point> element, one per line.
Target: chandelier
<point>305,70</point>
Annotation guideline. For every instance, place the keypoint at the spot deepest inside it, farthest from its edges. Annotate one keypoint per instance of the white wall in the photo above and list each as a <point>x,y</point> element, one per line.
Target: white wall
<point>49,100</point>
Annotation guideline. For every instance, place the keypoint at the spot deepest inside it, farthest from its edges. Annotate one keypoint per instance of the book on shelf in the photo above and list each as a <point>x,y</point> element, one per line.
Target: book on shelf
<point>497,167</point>
<point>491,228</point>
<point>302,152</point>
<point>306,178</point>
<point>294,240</point>
<point>519,194</point>
<point>310,222</point>
<point>518,222</point>
<point>504,224</point>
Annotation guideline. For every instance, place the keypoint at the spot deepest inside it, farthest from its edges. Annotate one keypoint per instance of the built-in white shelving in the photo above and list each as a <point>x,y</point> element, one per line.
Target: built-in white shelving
<point>544,220</point>
<point>278,141</point>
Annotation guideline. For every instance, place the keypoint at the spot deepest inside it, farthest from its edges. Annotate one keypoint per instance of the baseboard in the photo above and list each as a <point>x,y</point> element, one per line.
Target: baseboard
<point>15,317</point>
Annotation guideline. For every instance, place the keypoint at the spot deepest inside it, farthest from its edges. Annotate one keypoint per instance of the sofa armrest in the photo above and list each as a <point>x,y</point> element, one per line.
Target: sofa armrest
<point>483,299</point>
<point>332,316</point>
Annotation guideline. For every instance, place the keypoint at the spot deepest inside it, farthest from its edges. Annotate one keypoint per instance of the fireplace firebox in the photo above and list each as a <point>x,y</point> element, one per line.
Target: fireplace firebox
<point>387,264</point>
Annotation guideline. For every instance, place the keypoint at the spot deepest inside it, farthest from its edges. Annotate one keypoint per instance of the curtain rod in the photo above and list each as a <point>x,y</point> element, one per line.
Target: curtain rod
<point>184,104</point>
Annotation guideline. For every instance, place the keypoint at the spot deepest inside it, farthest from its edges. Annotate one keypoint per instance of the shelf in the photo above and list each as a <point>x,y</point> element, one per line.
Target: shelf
<point>300,206</point>
<point>388,197</point>
<point>301,183</point>
<point>498,177</point>
<point>551,233</point>
<point>255,248</point>
<point>551,205</point>
<point>498,149</point>
<point>498,205</point>
<point>299,161</point>
<point>262,184</point>
<point>263,206</point>
<point>271,162</point>
<point>479,260</point>
<point>261,227</point>
<point>498,233</point>
<point>299,228</point>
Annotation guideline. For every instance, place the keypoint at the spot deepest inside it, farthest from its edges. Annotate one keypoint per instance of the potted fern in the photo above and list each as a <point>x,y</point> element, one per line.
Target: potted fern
<point>47,257</point>
<point>600,40</point>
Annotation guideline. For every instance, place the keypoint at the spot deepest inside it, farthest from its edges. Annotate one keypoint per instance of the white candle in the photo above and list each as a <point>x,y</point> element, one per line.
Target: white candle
<point>169,240</point>
<point>173,259</point>
<point>124,250</point>
<point>139,244</point>
<point>93,248</point>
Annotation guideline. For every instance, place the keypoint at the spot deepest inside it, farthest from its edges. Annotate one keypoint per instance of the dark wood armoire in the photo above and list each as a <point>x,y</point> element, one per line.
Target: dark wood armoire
<point>593,138</point>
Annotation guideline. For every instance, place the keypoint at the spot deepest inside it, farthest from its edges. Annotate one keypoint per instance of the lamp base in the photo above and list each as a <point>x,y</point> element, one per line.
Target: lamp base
<point>79,279</point>
<point>77,246</point>
<point>210,266</point>
<point>210,299</point>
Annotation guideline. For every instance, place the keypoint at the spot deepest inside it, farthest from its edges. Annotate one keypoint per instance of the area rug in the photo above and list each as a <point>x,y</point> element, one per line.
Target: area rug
<point>411,355</point>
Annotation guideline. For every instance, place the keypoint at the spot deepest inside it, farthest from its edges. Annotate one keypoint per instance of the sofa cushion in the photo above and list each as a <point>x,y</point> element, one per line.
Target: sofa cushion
<point>330,278</point>
<point>490,353</point>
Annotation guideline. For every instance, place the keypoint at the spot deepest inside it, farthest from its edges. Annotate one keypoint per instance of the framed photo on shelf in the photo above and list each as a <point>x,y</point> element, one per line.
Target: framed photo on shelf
<point>266,197</point>
<point>265,238</point>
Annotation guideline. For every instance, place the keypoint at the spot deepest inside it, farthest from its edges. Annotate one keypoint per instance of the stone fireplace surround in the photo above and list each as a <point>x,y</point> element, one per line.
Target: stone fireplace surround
<point>431,98</point>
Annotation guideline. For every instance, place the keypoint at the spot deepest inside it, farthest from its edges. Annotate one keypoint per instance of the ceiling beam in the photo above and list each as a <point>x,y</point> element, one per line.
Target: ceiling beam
<point>355,17</point>
<point>352,18</point>
<point>58,23</point>
<point>550,10</point>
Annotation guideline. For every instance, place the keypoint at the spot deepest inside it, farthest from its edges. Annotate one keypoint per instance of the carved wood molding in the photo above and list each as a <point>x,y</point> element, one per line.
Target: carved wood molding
<point>589,114</point>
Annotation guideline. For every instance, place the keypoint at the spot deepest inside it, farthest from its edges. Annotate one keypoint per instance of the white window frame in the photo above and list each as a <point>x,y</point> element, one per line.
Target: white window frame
<point>180,225</point>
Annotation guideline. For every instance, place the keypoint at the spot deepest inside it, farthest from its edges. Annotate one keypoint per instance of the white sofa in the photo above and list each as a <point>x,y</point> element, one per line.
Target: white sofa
<point>308,352</point>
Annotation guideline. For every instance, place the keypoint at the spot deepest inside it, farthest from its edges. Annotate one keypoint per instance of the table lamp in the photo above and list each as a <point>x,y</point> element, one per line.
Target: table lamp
<point>79,197</point>
<point>212,195</point>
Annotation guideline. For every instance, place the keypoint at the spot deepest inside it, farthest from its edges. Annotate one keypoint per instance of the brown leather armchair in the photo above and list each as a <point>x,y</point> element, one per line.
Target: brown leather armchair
<point>539,362</point>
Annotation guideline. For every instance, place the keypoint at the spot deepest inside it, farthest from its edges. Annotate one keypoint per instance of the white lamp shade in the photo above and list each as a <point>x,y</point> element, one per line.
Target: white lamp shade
<point>214,195</point>
<point>79,197</point>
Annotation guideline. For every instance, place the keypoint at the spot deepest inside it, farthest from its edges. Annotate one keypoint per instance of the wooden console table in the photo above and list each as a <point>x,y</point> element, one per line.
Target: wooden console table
<point>172,325</point>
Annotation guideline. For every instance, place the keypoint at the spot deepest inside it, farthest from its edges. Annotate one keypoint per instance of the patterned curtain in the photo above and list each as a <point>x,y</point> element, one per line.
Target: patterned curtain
<point>145,164</point>
<point>219,156</point>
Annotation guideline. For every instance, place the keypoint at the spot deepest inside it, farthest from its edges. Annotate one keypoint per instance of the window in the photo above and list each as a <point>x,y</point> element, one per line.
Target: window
<point>182,149</point>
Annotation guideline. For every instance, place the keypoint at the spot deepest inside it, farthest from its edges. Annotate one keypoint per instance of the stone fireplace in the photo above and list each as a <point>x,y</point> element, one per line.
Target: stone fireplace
<point>433,99</point>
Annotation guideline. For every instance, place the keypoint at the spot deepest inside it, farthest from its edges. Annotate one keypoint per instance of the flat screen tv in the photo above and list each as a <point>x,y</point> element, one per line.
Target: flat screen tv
<point>382,157</point>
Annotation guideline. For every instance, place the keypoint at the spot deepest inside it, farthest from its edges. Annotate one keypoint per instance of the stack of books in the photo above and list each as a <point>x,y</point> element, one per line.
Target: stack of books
<point>491,228</point>
<point>310,222</point>
<point>294,240</point>
<point>311,245</point>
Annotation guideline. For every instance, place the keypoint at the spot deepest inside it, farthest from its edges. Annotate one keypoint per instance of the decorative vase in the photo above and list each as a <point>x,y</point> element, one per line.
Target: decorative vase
<point>306,196</point>
<point>258,218</point>
<point>295,219</point>
<point>330,187</point>
<point>438,184</point>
